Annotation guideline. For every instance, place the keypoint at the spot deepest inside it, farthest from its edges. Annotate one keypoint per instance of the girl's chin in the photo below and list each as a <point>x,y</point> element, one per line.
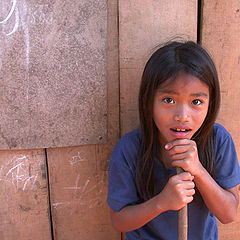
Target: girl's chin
<point>169,138</point>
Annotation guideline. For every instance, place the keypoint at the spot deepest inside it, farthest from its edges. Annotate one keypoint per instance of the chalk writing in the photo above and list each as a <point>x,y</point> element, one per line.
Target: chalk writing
<point>14,10</point>
<point>38,15</point>
<point>76,187</point>
<point>55,205</point>
<point>11,12</point>
<point>76,159</point>
<point>17,173</point>
<point>87,195</point>
<point>29,15</point>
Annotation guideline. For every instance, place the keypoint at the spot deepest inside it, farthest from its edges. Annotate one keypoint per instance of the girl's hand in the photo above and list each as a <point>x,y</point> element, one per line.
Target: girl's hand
<point>183,153</point>
<point>179,191</point>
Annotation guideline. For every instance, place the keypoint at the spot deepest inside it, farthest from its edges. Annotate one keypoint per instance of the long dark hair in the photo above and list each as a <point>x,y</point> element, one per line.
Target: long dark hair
<point>166,63</point>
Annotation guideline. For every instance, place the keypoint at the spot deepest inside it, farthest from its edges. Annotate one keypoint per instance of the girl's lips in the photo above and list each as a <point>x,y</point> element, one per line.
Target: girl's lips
<point>180,134</point>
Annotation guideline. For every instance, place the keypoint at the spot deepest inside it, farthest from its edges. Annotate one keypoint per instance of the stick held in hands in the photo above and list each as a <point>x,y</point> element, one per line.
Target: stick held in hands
<point>182,219</point>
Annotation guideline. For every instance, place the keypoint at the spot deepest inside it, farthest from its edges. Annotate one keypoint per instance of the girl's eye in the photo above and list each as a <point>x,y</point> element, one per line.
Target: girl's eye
<point>196,102</point>
<point>168,100</point>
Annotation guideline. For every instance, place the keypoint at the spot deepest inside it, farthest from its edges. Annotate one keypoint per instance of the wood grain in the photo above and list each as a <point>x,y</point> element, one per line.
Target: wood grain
<point>78,175</point>
<point>53,73</point>
<point>143,25</point>
<point>24,196</point>
<point>220,35</point>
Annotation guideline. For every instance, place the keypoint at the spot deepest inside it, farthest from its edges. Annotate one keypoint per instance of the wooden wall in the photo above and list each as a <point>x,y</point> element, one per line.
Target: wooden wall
<point>220,35</point>
<point>60,193</point>
<point>143,25</point>
<point>78,175</point>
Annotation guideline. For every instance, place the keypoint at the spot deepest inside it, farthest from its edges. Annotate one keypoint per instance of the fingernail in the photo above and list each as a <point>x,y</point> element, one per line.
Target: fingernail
<point>167,146</point>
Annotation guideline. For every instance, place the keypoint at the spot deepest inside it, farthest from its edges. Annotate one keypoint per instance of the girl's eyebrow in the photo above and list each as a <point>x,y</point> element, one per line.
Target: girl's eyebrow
<point>169,91</point>
<point>199,94</point>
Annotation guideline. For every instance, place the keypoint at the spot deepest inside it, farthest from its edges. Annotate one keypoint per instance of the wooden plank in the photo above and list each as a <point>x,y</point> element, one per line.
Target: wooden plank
<point>53,73</point>
<point>78,180</point>
<point>78,175</point>
<point>220,35</point>
<point>144,25</point>
<point>24,196</point>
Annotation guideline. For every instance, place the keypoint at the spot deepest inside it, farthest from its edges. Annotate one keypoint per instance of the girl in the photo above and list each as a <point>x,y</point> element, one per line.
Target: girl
<point>178,104</point>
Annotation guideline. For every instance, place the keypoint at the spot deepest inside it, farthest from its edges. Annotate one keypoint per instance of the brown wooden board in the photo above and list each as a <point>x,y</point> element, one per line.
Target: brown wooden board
<point>24,196</point>
<point>78,180</point>
<point>52,73</point>
<point>143,26</point>
<point>78,175</point>
<point>220,35</point>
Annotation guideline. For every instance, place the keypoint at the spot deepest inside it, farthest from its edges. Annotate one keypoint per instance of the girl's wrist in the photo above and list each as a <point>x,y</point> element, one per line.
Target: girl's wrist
<point>200,174</point>
<point>161,203</point>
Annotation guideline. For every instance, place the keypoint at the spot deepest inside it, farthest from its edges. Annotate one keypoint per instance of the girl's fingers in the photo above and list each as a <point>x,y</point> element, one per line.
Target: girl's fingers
<point>178,149</point>
<point>182,163</point>
<point>190,192</point>
<point>177,142</point>
<point>189,199</point>
<point>187,180</point>
<point>186,176</point>
<point>181,188</point>
<point>189,186</point>
<point>178,156</point>
<point>187,193</point>
<point>181,146</point>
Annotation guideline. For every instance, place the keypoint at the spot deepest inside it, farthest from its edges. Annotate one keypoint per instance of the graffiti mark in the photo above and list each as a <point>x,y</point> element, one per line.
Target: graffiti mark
<point>76,159</point>
<point>16,172</point>
<point>11,12</point>
<point>55,205</point>
<point>14,10</point>
<point>85,195</point>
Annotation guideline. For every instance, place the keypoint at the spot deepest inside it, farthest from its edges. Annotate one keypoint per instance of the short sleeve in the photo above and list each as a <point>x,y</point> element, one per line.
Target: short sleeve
<point>121,175</point>
<point>227,165</point>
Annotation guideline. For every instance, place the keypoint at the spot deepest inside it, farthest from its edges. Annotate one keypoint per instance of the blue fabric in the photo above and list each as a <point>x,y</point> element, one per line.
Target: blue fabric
<point>122,188</point>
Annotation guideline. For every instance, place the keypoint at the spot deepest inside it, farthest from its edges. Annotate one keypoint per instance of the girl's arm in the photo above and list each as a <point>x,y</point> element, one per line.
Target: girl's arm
<point>223,203</point>
<point>177,193</point>
<point>132,217</point>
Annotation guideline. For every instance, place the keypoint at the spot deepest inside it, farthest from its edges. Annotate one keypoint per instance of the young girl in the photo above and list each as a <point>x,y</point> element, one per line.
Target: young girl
<point>178,104</point>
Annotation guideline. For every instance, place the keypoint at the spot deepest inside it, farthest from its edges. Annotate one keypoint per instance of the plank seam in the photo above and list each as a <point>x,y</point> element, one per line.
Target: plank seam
<point>119,71</point>
<point>49,196</point>
<point>199,21</point>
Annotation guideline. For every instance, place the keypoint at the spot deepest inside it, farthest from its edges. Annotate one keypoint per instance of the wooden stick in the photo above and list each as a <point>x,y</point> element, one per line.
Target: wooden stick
<point>182,219</point>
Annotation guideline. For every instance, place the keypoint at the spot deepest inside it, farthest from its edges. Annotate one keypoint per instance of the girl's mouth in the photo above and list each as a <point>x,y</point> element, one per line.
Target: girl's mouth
<point>180,129</point>
<point>180,132</point>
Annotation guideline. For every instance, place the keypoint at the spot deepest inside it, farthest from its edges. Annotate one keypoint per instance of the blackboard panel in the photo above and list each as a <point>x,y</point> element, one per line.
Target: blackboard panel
<point>53,88</point>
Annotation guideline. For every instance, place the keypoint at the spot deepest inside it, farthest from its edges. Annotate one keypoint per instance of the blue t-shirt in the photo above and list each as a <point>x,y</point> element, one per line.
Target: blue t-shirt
<point>122,189</point>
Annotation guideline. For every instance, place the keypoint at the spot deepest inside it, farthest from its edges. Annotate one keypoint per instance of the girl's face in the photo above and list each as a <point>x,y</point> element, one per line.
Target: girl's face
<point>180,107</point>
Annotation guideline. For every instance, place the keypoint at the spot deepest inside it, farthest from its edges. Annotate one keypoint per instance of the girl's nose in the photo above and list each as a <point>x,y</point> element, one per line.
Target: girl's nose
<point>182,114</point>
